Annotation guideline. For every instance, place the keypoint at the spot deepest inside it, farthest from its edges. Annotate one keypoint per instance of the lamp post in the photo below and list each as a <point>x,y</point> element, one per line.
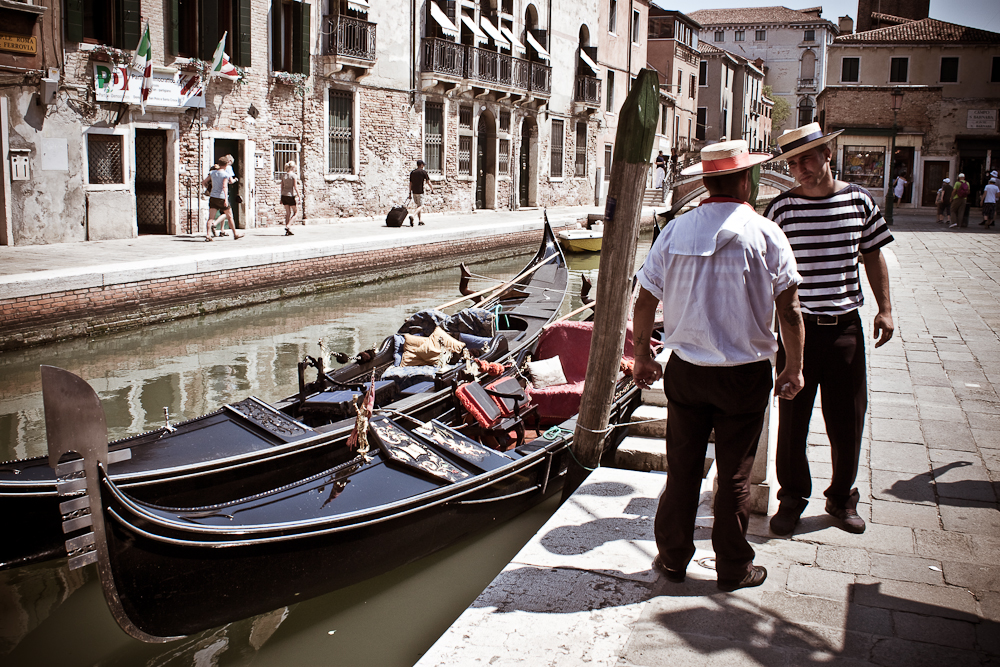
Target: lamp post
<point>897,104</point>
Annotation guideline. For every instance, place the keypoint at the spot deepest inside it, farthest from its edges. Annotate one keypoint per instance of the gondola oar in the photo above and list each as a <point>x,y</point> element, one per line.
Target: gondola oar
<point>498,290</point>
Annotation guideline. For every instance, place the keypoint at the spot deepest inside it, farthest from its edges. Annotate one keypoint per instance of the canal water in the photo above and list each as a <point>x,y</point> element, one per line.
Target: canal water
<point>50,615</point>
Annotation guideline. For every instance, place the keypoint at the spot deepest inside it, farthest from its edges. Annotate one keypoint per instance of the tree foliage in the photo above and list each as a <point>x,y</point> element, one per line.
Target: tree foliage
<point>781,112</point>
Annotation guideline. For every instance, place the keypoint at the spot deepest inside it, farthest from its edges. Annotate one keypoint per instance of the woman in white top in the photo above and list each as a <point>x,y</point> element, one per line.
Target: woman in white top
<point>899,187</point>
<point>290,193</point>
<point>219,199</point>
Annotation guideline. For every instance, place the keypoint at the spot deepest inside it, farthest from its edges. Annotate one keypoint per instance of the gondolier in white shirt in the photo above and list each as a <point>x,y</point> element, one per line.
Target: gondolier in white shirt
<point>719,270</point>
<point>831,226</point>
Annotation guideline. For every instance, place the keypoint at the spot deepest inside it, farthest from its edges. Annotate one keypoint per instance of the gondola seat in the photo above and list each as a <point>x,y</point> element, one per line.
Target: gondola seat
<point>570,341</point>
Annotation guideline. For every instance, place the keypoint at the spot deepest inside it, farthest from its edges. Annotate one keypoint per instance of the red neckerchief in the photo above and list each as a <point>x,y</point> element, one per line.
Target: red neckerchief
<point>723,199</point>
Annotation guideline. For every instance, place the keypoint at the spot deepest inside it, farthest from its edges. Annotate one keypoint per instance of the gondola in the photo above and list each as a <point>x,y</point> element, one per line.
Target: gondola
<point>250,446</point>
<point>168,572</point>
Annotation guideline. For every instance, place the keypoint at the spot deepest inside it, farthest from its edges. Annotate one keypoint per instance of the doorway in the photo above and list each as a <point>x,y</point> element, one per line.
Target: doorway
<point>902,165</point>
<point>232,147</point>
<point>974,168</point>
<point>151,181</point>
<point>522,166</point>
<point>934,173</point>
<point>486,161</point>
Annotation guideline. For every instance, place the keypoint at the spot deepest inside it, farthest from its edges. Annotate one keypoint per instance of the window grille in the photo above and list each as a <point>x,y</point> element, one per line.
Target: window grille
<point>285,151</point>
<point>581,149</point>
<point>104,157</point>
<point>556,161</point>
<point>433,136</point>
<point>505,121</point>
<point>465,155</point>
<point>465,117</point>
<point>341,132</point>
<point>505,156</point>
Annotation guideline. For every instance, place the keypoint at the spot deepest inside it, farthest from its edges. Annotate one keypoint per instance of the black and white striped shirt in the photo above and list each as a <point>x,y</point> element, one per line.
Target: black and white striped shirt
<point>827,234</point>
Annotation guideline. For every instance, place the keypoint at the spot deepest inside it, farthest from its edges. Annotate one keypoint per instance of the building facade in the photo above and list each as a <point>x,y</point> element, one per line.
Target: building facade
<point>944,79</point>
<point>673,51</point>
<point>730,99</point>
<point>792,45</point>
<point>485,91</point>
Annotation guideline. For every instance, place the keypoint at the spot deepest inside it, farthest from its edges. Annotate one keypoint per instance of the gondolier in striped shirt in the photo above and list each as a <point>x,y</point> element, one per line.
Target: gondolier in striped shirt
<point>832,226</point>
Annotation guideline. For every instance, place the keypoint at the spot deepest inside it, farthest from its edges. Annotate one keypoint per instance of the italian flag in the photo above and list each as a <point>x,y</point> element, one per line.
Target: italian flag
<point>220,62</point>
<point>143,62</point>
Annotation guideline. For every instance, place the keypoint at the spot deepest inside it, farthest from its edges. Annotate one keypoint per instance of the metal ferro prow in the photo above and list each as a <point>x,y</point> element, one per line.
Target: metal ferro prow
<point>75,424</point>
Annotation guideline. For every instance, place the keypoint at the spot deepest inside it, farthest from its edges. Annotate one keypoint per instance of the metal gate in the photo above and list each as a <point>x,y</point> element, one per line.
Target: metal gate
<point>151,181</point>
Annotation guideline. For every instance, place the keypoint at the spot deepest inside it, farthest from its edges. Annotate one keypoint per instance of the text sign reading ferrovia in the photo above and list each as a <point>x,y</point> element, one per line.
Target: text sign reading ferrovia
<point>981,119</point>
<point>18,43</point>
<point>120,83</point>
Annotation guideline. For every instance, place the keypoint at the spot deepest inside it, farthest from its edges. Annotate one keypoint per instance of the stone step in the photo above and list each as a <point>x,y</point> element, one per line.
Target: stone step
<point>654,395</point>
<point>642,454</point>
<point>649,429</point>
<point>652,197</point>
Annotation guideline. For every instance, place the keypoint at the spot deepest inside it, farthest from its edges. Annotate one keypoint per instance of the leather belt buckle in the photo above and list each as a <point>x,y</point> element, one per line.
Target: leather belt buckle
<point>827,320</point>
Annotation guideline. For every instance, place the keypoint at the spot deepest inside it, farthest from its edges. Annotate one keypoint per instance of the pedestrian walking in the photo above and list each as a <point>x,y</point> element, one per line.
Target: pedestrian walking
<point>720,271</point>
<point>659,171</point>
<point>290,193</point>
<point>218,200</point>
<point>899,187</point>
<point>830,224</point>
<point>990,202</point>
<point>958,197</point>
<point>943,201</point>
<point>418,179</point>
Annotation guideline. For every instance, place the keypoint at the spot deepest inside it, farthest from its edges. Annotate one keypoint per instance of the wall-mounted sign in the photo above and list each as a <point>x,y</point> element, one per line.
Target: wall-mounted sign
<point>18,43</point>
<point>981,119</point>
<point>122,84</point>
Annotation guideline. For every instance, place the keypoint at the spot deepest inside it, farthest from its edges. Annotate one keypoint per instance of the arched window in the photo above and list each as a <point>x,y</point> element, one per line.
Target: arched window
<point>806,108</point>
<point>808,69</point>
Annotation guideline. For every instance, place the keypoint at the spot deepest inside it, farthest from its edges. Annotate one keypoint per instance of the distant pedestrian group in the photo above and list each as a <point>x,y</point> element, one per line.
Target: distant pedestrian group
<point>218,181</point>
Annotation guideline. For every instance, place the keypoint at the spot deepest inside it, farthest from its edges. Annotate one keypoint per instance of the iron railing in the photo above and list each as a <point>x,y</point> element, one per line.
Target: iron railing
<point>351,37</point>
<point>588,90</point>
<point>488,67</point>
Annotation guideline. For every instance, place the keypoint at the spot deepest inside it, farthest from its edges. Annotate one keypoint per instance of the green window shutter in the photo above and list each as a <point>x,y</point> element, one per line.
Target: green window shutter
<point>174,30</point>
<point>210,32</point>
<point>242,55</point>
<point>300,53</point>
<point>131,30</point>
<point>74,20</point>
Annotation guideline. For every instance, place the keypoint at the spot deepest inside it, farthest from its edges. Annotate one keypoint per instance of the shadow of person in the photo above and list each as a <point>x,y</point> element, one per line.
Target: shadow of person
<point>933,488</point>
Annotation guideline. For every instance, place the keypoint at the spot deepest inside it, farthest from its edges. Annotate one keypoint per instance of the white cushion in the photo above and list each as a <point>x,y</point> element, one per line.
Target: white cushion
<point>546,373</point>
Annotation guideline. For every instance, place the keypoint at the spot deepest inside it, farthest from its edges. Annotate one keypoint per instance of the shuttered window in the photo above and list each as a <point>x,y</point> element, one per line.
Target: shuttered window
<point>341,132</point>
<point>109,22</point>
<point>290,26</point>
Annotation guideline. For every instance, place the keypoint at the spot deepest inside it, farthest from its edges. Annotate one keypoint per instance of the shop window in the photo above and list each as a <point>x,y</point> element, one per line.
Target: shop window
<point>720,35</point>
<point>556,150</point>
<point>284,151</point>
<point>608,152</point>
<point>433,136</point>
<point>104,159</point>
<point>465,155</point>
<point>899,70</point>
<point>864,165</point>
<point>850,70</point>
<point>290,36</point>
<point>504,158</point>
<point>341,132</point>
<point>581,149</point>
<point>949,70</point>
<point>738,35</point>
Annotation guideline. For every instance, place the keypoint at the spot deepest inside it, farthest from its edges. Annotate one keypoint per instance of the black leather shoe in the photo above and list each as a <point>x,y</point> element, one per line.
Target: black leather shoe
<point>849,519</point>
<point>755,577</point>
<point>675,576</point>
<point>785,520</point>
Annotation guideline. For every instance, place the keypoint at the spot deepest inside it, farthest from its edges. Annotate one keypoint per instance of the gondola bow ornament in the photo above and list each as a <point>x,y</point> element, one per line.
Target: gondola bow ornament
<point>358,440</point>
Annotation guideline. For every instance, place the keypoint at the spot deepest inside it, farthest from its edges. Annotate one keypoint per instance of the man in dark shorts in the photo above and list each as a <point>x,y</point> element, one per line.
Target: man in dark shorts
<point>417,179</point>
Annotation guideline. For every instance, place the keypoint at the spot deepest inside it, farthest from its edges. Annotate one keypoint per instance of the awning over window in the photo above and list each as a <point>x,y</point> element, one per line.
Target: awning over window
<point>515,42</point>
<point>447,27</point>
<point>588,62</point>
<point>533,43</point>
<point>359,5</point>
<point>494,33</point>
<point>477,34</point>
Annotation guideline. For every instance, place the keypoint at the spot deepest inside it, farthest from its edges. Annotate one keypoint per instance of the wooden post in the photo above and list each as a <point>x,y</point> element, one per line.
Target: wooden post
<point>633,143</point>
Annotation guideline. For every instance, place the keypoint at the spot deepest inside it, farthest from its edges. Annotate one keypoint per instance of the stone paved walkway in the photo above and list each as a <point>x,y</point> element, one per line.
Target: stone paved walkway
<point>920,587</point>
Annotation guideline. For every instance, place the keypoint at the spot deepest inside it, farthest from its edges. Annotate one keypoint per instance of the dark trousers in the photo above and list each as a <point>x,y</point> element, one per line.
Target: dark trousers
<point>733,401</point>
<point>834,361</point>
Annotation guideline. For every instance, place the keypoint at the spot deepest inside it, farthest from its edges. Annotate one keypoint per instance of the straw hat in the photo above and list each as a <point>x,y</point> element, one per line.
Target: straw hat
<point>725,157</point>
<point>793,142</point>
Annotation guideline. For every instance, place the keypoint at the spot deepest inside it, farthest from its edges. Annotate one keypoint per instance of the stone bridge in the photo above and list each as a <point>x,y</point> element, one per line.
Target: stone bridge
<point>688,188</point>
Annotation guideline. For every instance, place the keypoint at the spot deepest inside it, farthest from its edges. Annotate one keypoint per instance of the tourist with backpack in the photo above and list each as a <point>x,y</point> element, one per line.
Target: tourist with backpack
<point>958,198</point>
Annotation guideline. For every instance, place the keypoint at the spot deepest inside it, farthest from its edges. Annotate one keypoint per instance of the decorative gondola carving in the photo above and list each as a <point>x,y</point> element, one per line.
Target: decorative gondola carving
<point>269,419</point>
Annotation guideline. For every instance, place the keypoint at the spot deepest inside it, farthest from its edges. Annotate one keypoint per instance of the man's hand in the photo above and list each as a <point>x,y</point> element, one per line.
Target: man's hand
<point>788,384</point>
<point>882,328</point>
<point>646,371</point>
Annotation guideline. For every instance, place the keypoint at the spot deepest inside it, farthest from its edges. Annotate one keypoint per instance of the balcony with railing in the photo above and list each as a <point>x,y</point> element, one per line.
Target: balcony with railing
<point>350,41</point>
<point>807,84</point>
<point>588,90</point>
<point>486,69</point>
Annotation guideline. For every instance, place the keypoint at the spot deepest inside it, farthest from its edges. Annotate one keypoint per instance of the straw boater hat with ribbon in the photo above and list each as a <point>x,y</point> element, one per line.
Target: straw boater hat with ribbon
<point>725,157</point>
<point>793,142</point>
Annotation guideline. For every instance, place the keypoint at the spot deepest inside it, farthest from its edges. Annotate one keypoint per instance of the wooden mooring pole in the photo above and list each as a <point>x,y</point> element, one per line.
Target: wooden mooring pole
<point>633,144</point>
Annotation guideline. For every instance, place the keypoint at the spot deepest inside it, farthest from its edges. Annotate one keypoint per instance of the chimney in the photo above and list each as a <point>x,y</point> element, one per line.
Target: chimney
<point>846,24</point>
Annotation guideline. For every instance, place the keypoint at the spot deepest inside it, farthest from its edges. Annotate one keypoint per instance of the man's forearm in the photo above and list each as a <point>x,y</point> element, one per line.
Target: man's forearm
<point>793,331</point>
<point>878,278</point>
<point>642,322</point>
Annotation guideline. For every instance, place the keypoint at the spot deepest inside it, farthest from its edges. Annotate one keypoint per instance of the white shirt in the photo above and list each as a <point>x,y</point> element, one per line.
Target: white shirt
<point>718,270</point>
<point>900,186</point>
<point>990,194</point>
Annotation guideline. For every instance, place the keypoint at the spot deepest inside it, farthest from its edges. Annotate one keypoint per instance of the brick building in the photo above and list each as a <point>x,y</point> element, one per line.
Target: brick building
<point>792,45</point>
<point>673,51</point>
<point>355,90</point>
<point>945,79</point>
